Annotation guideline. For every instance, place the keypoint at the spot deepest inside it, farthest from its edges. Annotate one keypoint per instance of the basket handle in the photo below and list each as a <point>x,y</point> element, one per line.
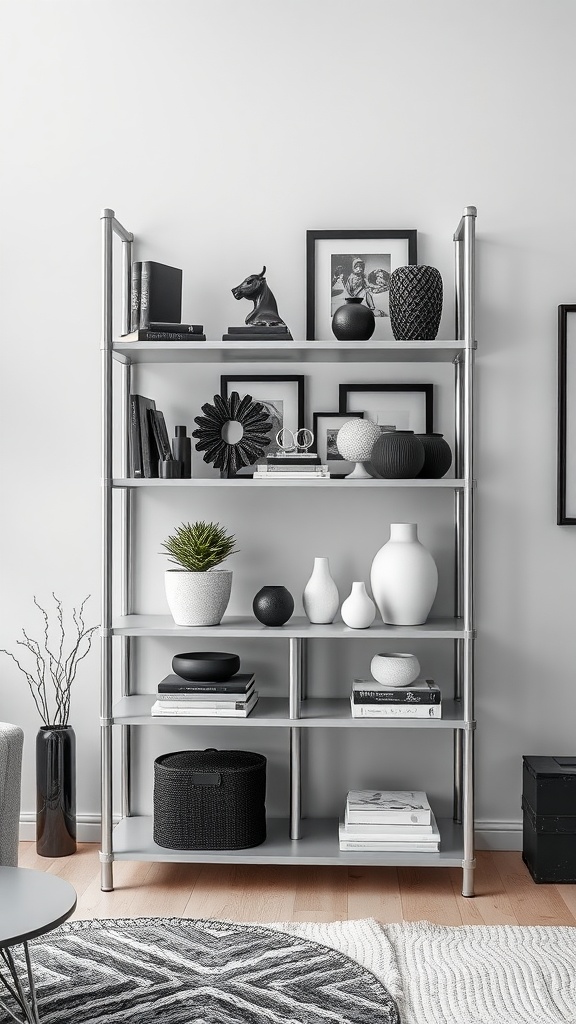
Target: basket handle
<point>205,778</point>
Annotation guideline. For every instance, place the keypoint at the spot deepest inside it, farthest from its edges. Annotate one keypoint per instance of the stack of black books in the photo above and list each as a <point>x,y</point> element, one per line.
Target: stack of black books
<point>178,697</point>
<point>156,305</point>
<point>247,333</point>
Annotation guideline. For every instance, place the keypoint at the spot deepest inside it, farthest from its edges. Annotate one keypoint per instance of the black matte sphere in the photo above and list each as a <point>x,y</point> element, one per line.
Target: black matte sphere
<point>397,455</point>
<point>437,456</point>
<point>273,606</point>
<point>353,321</point>
<point>208,667</point>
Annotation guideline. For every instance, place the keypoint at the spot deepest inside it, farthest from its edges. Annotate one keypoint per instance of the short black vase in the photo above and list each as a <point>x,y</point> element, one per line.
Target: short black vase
<point>353,321</point>
<point>437,456</point>
<point>273,606</point>
<point>56,791</point>
<point>415,303</point>
<point>397,455</point>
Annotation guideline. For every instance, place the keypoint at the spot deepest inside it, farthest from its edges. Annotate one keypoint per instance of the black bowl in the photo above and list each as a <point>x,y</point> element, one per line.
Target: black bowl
<point>209,667</point>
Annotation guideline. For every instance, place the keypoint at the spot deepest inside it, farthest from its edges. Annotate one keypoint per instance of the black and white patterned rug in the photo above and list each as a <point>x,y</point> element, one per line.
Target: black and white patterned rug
<point>174,971</point>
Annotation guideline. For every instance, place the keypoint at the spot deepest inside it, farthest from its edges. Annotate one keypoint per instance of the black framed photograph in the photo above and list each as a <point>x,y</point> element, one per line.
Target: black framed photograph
<point>325,426</point>
<point>348,264</point>
<point>566,472</point>
<point>391,406</point>
<point>281,395</point>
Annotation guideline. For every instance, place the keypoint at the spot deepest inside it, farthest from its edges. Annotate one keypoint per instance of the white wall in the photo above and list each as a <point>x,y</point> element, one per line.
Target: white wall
<point>219,133</point>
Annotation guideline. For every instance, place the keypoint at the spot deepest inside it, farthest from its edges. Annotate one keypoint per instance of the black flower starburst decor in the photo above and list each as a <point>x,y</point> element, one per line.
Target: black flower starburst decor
<point>226,456</point>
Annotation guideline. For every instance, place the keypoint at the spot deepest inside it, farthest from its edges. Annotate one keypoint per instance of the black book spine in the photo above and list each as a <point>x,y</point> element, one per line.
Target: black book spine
<point>135,296</point>
<point>148,444</point>
<point>144,320</point>
<point>135,444</point>
<point>160,434</point>
<point>178,328</point>
<point>148,335</point>
<point>389,697</point>
<point>210,688</point>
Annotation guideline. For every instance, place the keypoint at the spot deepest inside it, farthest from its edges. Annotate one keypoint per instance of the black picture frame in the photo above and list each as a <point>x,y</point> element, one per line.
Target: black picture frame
<point>427,390</point>
<point>241,382</point>
<point>339,469</point>
<point>394,235</point>
<point>564,515</point>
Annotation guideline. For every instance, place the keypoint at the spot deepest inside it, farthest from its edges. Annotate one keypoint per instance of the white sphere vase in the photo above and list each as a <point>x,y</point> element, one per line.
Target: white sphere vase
<point>404,577</point>
<point>358,610</point>
<point>355,441</point>
<point>198,598</point>
<point>321,598</point>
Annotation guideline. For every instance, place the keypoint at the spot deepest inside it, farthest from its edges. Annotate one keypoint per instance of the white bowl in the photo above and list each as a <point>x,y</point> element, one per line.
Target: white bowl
<point>395,669</point>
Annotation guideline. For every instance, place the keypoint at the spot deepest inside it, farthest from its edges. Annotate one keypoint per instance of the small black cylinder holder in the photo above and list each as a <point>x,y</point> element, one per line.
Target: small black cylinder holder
<point>169,469</point>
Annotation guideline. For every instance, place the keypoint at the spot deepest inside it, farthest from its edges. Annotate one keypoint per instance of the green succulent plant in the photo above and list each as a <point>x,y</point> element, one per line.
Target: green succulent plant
<point>198,547</point>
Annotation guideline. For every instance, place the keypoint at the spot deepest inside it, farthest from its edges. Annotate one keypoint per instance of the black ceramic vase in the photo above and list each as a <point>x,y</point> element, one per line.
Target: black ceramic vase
<point>56,791</point>
<point>437,456</point>
<point>353,321</point>
<point>398,455</point>
<point>415,303</point>
<point>273,606</point>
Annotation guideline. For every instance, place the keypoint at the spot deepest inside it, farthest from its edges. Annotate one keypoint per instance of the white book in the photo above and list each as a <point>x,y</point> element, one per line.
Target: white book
<point>389,807</point>
<point>291,476</point>
<point>395,710</point>
<point>390,833</point>
<point>159,711</point>
<point>367,846</point>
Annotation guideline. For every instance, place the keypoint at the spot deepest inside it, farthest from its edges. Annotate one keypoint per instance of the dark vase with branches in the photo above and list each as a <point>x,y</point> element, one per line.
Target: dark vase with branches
<point>55,664</point>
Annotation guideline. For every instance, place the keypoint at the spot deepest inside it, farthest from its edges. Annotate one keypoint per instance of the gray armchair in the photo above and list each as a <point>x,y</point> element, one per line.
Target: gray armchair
<point>11,743</point>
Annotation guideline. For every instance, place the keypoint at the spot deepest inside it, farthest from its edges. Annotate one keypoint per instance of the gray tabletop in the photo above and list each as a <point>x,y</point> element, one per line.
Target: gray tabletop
<point>32,903</point>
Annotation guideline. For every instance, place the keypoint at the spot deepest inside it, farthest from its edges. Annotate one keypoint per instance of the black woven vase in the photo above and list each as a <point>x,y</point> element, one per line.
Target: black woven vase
<point>415,303</point>
<point>437,456</point>
<point>398,455</point>
<point>273,606</point>
<point>353,321</point>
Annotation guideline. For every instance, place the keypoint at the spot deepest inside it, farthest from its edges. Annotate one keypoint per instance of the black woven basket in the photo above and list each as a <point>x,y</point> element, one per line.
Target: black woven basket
<point>210,800</point>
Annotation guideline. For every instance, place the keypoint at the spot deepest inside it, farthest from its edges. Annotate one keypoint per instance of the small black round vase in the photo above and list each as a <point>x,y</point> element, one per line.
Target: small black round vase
<point>273,606</point>
<point>353,321</point>
<point>398,455</point>
<point>437,456</point>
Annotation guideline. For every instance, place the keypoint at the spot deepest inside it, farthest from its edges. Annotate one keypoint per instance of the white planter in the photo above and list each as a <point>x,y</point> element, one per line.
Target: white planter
<point>321,598</point>
<point>404,577</point>
<point>198,598</point>
<point>358,610</point>
<point>395,669</point>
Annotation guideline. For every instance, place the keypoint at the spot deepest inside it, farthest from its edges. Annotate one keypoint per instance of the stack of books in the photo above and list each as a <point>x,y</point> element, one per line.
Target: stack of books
<point>164,331</point>
<point>389,821</point>
<point>291,466</point>
<point>179,697</point>
<point>422,699</point>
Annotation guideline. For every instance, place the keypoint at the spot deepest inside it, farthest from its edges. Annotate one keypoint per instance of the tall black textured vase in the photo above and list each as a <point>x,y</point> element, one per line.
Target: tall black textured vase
<point>415,303</point>
<point>56,791</point>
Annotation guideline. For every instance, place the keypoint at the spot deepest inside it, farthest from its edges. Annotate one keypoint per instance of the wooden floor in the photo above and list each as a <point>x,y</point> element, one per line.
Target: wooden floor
<point>505,892</point>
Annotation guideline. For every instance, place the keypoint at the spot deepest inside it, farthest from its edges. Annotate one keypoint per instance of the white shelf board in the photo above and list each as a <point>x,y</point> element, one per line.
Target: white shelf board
<point>246,626</point>
<point>316,712</point>
<point>446,483</point>
<point>132,840</point>
<point>291,351</point>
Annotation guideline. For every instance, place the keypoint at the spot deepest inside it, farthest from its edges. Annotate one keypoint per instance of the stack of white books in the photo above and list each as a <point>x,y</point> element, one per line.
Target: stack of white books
<point>389,821</point>
<point>291,472</point>
<point>422,699</point>
<point>179,698</point>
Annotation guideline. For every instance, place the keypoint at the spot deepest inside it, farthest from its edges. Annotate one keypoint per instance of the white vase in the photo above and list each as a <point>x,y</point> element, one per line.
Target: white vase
<point>198,598</point>
<point>395,669</point>
<point>358,610</point>
<point>404,577</point>
<point>321,598</point>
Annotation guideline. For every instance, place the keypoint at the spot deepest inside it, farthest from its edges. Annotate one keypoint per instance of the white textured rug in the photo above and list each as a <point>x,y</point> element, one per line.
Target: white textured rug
<point>466,975</point>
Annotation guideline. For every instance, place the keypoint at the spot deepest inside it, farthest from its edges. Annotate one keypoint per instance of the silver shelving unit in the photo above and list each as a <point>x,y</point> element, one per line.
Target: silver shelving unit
<point>295,839</point>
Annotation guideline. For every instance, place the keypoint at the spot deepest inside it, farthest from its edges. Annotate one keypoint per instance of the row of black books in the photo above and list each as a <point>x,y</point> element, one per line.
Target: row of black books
<point>422,699</point>
<point>181,698</point>
<point>156,305</point>
<point>389,821</point>
<point>149,441</point>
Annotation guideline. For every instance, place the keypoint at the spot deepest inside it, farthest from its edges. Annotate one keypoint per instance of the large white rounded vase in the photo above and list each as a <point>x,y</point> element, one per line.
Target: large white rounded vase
<point>404,577</point>
<point>321,598</point>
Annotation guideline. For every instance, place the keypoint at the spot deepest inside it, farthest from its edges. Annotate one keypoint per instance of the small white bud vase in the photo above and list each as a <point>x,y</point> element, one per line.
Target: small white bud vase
<point>404,577</point>
<point>321,598</point>
<point>358,610</point>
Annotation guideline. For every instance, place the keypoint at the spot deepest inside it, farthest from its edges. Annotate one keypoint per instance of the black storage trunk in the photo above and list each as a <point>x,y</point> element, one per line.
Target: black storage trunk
<point>210,800</point>
<point>549,812</point>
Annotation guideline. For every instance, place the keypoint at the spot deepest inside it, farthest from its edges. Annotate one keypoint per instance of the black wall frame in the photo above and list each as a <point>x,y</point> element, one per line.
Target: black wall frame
<point>566,455</point>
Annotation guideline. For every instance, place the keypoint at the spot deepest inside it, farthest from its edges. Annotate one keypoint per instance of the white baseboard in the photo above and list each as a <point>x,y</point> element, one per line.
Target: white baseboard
<point>490,835</point>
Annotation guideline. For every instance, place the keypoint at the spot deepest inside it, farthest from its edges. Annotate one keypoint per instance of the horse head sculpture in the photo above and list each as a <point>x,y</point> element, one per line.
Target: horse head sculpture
<point>265,311</point>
